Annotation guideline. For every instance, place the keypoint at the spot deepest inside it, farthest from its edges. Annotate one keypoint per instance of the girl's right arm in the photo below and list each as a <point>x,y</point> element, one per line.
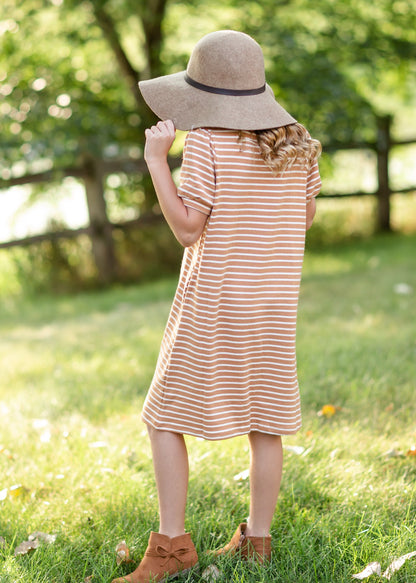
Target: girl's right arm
<point>186,223</point>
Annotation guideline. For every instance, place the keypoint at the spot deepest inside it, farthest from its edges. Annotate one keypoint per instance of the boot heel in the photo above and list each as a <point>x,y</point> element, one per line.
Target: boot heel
<point>247,547</point>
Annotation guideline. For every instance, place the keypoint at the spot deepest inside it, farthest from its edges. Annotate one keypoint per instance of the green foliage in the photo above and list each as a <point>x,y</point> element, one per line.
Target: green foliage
<point>335,63</point>
<point>62,93</point>
<point>61,265</point>
<point>66,265</point>
<point>69,71</point>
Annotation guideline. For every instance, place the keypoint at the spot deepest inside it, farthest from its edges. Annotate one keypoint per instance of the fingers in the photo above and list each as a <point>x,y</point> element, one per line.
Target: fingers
<point>159,139</point>
<point>166,128</point>
<point>170,126</point>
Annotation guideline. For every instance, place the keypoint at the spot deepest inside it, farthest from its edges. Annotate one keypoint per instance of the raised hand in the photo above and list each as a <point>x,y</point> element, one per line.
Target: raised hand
<point>159,139</point>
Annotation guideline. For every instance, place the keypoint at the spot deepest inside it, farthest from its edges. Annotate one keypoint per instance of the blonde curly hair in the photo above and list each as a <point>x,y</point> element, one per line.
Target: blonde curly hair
<point>281,147</point>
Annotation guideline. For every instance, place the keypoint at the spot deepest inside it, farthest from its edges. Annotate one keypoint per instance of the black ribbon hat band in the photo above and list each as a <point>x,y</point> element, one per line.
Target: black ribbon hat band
<point>220,91</point>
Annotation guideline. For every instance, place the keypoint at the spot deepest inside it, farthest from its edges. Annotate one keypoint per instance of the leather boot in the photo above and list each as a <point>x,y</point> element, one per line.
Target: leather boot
<point>248,547</point>
<point>164,557</point>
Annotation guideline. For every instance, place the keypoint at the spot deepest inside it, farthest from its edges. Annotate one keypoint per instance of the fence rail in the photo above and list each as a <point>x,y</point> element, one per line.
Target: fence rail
<point>92,172</point>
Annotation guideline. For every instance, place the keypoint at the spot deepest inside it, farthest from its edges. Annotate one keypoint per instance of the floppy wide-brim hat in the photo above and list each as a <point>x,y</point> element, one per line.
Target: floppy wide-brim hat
<point>224,86</point>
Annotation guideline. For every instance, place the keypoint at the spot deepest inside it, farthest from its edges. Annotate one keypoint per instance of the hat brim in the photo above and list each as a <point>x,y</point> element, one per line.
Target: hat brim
<point>171,97</point>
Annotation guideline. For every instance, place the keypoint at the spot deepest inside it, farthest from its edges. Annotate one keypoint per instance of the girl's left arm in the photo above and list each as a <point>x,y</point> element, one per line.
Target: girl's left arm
<point>186,223</point>
<point>310,211</point>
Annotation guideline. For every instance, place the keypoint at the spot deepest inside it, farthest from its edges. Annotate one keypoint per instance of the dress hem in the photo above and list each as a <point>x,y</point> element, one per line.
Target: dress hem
<point>206,438</point>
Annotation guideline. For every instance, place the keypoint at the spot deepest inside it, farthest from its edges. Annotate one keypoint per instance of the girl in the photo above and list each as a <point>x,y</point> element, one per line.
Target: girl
<point>227,364</point>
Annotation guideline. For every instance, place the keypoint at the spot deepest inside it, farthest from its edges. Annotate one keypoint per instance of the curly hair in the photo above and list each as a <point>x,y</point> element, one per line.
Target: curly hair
<point>281,147</point>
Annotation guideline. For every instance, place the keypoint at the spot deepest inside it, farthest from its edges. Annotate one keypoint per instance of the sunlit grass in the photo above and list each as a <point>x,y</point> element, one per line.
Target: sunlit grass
<point>75,370</point>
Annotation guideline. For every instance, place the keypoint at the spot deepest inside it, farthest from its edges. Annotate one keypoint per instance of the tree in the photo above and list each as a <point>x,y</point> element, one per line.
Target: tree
<point>69,69</point>
<point>62,94</point>
<point>338,63</point>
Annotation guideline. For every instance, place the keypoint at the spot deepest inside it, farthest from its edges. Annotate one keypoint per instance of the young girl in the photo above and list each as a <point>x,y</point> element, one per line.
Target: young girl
<point>227,364</point>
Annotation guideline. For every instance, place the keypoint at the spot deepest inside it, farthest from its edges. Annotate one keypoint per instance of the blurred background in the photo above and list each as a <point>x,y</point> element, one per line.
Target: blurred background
<point>77,208</point>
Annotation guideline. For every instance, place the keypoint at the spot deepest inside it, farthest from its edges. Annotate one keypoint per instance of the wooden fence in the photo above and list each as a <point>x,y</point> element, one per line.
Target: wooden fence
<point>93,171</point>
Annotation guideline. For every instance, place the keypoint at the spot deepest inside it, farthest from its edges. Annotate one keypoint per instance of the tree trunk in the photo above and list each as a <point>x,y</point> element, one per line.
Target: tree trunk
<point>151,13</point>
<point>100,227</point>
<point>107,25</point>
<point>152,17</point>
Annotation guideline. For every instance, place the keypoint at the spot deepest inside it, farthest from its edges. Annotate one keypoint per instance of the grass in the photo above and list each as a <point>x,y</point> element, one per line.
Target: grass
<point>75,370</point>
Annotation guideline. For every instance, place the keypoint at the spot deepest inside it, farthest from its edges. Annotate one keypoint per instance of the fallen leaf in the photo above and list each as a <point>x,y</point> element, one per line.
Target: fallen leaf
<point>375,568</point>
<point>2,543</point>
<point>211,573</point>
<point>26,547</point>
<point>244,475</point>
<point>328,411</point>
<point>396,564</point>
<point>33,542</point>
<point>123,553</point>
<point>6,452</point>
<point>13,492</point>
<point>43,537</point>
<point>371,569</point>
<point>88,579</point>
<point>412,451</point>
<point>17,490</point>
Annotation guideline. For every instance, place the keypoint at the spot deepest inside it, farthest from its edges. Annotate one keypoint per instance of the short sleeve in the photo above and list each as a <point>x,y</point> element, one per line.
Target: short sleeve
<point>313,181</point>
<point>197,177</point>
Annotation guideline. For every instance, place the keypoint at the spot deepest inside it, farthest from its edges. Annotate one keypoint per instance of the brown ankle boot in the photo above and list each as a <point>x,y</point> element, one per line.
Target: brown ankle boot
<point>249,547</point>
<point>164,557</point>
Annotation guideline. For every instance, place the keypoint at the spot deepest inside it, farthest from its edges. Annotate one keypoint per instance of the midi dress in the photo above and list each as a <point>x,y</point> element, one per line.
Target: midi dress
<point>227,361</point>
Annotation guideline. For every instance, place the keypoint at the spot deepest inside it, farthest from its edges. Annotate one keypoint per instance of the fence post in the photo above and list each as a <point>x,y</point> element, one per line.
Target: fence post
<point>101,231</point>
<point>384,192</point>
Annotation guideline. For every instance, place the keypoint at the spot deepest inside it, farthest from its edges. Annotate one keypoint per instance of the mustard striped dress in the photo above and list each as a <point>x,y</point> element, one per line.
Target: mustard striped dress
<point>227,363</point>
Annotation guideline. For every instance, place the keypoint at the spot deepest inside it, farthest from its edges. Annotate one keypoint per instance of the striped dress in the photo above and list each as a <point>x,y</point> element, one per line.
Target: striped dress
<point>227,363</point>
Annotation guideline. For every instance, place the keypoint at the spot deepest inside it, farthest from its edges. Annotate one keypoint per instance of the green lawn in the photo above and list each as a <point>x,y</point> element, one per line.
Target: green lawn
<point>75,370</point>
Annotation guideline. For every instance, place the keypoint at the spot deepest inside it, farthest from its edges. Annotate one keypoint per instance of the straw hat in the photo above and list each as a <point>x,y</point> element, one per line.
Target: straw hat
<point>223,86</point>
